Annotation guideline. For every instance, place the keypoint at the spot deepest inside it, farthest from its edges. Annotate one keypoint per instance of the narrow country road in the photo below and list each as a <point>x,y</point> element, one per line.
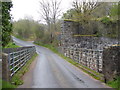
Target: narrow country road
<point>51,71</point>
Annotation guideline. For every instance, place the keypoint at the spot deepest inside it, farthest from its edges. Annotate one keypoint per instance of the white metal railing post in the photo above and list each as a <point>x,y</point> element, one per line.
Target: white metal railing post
<point>13,63</point>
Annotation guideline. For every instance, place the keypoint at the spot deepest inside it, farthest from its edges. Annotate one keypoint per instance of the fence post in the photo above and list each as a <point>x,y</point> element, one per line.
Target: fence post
<point>5,68</point>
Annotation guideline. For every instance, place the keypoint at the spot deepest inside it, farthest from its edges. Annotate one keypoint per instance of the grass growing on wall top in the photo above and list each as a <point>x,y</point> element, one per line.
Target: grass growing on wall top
<point>71,20</point>
<point>106,20</point>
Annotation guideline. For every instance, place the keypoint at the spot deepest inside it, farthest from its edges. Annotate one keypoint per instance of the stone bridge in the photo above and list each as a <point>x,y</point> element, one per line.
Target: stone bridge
<point>94,52</point>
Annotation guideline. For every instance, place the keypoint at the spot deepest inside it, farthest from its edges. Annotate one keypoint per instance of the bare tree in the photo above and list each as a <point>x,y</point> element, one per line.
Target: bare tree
<point>85,6</point>
<point>55,10</point>
<point>50,11</point>
<point>83,9</point>
<point>45,12</point>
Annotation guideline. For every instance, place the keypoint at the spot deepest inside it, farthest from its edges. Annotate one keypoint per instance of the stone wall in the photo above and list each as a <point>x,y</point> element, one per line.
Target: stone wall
<point>86,50</point>
<point>71,28</point>
<point>68,30</point>
<point>87,57</point>
<point>111,62</point>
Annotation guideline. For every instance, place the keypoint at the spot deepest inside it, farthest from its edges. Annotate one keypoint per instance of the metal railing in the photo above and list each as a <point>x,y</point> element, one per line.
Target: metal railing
<point>17,57</point>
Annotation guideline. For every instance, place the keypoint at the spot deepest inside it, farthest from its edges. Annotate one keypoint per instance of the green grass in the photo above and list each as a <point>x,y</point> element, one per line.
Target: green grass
<point>16,79</point>
<point>24,39</point>
<point>5,84</point>
<point>20,37</point>
<point>87,70</point>
<point>115,83</point>
<point>12,45</point>
<point>71,20</point>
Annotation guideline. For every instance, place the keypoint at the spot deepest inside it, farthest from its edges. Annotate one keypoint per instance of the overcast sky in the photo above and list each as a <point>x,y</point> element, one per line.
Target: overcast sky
<point>23,8</point>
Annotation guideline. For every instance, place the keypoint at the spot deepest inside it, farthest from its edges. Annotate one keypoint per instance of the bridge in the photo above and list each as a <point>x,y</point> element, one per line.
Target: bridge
<point>51,71</point>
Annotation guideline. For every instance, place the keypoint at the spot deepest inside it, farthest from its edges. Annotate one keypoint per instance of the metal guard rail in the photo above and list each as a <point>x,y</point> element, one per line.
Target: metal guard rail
<point>17,57</point>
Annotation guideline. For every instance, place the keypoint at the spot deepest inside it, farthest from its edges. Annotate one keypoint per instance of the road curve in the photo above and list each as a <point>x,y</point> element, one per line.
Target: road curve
<point>51,71</point>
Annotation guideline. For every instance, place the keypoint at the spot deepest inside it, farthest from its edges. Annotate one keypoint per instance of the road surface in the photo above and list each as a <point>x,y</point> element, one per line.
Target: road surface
<point>51,71</point>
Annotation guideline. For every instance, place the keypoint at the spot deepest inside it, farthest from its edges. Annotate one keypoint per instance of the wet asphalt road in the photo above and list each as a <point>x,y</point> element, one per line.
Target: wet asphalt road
<point>51,71</point>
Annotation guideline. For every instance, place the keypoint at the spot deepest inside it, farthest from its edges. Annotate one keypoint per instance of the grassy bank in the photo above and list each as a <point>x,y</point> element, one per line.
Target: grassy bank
<point>17,78</point>
<point>5,84</point>
<point>20,37</point>
<point>92,73</point>
<point>24,39</point>
<point>115,83</point>
<point>12,45</point>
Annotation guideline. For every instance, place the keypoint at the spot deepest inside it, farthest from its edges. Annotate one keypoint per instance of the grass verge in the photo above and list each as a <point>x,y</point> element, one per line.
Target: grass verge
<point>20,37</point>
<point>115,83</point>
<point>87,70</point>
<point>24,39</point>
<point>17,78</point>
<point>12,45</point>
<point>5,84</point>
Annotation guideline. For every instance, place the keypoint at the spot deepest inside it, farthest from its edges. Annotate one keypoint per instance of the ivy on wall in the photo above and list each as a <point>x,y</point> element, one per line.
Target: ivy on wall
<point>6,22</point>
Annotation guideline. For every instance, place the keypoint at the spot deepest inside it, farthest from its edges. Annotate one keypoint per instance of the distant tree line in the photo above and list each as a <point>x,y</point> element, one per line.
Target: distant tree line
<point>88,9</point>
<point>82,12</point>
<point>28,29</point>
<point>90,13</point>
